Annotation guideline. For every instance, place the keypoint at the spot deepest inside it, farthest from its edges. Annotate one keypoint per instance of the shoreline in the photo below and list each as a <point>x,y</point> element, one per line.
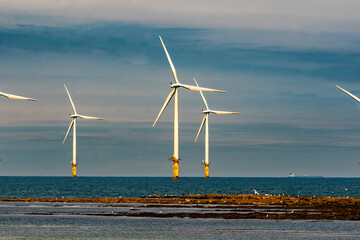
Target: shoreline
<point>222,206</point>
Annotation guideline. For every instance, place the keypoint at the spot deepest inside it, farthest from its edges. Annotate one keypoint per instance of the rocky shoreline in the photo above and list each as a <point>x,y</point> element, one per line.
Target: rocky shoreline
<point>223,206</point>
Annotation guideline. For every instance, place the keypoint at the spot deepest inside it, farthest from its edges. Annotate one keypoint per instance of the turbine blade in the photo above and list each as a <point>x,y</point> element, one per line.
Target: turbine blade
<point>165,104</point>
<point>350,94</point>
<point>170,62</point>
<point>71,101</point>
<point>201,126</point>
<point>70,127</point>
<point>89,117</point>
<point>193,88</point>
<point>11,96</point>
<point>202,95</point>
<point>224,112</point>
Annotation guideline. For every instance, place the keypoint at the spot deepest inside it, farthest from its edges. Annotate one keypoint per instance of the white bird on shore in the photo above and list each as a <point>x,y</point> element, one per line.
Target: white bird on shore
<point>256,192</point>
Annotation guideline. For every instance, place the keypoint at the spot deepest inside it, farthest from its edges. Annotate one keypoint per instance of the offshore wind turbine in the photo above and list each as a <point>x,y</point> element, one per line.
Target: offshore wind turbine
<point>348,93</point>
<point>205,120</point>
<point>175,158</point>
<point>351,95</point>
<point>11,96</point>
<point>73,124</point>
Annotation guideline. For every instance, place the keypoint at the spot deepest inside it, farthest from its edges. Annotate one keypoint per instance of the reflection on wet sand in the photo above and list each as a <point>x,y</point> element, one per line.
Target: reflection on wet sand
<point>198,206</point>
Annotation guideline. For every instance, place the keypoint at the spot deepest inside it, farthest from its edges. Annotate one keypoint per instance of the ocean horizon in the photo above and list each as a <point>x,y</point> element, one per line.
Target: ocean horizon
<point>114,187</point>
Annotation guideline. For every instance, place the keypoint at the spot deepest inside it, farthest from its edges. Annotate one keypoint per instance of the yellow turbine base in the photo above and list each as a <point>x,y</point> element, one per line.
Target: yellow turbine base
<point>175,168</point>
<point>206,169</point>
<point>73,170</point>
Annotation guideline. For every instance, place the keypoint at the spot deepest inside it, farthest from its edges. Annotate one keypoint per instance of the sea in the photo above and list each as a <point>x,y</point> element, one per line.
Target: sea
<point>48,221</point>
<point>100,187</point>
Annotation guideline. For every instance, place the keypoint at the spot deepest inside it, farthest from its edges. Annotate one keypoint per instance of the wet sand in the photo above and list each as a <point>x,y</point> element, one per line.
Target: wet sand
<point>226,206</point>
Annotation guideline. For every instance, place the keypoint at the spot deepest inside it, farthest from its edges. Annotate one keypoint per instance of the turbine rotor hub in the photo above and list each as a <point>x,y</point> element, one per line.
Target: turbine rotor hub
<point>175,85</point>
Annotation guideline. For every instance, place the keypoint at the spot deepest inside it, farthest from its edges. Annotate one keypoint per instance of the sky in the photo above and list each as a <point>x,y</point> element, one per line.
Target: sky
<point>278,60</point>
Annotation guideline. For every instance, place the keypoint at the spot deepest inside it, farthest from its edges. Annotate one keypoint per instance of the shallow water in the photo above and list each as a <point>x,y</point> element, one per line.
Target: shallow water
<point>98,227</point>
<point>96,187</point>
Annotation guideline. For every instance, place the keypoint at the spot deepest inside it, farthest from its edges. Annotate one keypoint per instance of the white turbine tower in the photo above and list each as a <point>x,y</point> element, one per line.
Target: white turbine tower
<point>73,124</point>
<point>11,96</point>
<point>175,87</point>
<point>206,163</point>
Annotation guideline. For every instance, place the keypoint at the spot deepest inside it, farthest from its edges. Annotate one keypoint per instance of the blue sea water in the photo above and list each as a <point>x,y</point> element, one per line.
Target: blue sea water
<point>96,187</point>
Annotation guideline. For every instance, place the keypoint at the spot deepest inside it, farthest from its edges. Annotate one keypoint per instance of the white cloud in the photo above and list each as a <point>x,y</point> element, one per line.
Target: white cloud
<point>318,15</point>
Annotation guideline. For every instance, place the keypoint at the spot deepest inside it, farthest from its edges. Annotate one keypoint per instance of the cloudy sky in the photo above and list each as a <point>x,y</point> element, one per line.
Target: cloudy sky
<point>278,60</point>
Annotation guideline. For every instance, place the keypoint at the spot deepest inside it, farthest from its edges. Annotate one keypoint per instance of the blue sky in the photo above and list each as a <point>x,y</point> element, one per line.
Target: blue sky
<point>278,60</point>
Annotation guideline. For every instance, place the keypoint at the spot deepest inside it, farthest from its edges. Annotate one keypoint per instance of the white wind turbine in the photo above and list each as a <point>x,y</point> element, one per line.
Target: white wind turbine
<point>73,124</point>
<point>175,87</point>
<point>351,95</point>
<point>11,96</point>
<point>206,163</point>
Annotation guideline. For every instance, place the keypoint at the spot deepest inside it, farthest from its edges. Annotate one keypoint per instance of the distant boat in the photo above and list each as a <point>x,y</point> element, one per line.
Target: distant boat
<point>292,175</point>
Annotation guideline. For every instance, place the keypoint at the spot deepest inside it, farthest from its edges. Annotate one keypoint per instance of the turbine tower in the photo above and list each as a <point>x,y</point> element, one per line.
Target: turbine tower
<point>175,158</point>
<point>73,124</point>
<point>206,163</point>
<point>11,96</point>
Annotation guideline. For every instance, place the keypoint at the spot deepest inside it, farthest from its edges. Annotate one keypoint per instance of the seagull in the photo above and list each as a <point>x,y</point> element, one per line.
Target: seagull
<point>256,192</point>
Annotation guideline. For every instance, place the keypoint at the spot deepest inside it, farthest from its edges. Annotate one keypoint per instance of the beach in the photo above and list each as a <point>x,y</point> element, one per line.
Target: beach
<point>214,206</point>
<point>94,221</point>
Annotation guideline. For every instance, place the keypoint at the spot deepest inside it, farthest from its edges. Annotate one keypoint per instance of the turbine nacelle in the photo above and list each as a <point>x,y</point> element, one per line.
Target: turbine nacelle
<point>218,112</point>
<point>205,111</point>
<point>194,88</point>
<point>73,116</point>
<point>175,85</point>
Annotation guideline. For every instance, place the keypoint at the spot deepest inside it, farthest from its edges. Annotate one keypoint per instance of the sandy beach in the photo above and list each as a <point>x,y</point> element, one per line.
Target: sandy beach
<point>223,206</point>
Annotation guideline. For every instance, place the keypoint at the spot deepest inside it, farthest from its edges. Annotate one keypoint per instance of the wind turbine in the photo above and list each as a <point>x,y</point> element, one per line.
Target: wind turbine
<point>11,96</point>
<point>175,158</point>
<point>351,95</point>
<point>73,124</point>
<point>206,163</point>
